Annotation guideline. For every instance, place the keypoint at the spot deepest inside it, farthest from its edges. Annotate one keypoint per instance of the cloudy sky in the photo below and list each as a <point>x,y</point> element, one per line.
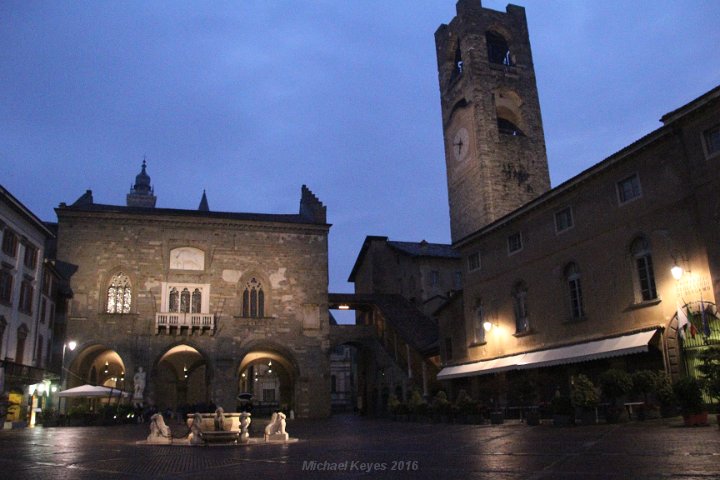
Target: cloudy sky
<point>251,99</point>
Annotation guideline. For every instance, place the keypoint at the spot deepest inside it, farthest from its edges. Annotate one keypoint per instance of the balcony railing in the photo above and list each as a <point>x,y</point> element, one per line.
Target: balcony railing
<point>174,322</point>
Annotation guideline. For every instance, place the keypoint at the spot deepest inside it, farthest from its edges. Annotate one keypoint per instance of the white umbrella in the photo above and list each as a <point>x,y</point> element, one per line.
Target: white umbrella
<point>86,391</point>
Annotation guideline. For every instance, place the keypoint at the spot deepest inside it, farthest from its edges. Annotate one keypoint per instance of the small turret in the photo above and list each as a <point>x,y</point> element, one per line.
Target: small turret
<point>142,194</point>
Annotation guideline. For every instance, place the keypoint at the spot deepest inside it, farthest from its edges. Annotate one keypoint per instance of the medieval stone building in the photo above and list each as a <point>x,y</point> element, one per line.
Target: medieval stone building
<point>198,306</point>
<point>576,278</point>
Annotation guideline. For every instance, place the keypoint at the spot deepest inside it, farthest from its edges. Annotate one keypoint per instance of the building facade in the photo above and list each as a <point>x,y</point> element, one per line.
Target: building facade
<point>196,306</point>
<point>578,278</point>
<point>424,273</point>
<point>28,286</point>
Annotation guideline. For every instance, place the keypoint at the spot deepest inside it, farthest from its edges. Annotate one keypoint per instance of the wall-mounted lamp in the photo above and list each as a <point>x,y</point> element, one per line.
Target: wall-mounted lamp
<point>487,326</point>
<point>677,271</point>
<point>344,307</point>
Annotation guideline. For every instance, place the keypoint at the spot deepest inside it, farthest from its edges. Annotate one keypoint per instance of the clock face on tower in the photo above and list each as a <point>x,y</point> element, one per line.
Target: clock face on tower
<point>460,144</point>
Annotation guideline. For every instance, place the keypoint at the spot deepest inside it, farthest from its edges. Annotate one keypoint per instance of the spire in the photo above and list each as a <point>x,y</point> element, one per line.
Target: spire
<point>204,203</point>
<point>141,194</point>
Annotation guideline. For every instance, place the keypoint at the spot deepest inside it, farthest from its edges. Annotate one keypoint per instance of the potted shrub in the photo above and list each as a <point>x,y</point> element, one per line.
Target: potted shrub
<point>688,391</point>
<point>585,400</point>
<point>615,384</point>
<point>644,384</point>
<point>466,408</point>
<point>417,406</point>
<point>665,395</point>
<point>441,406</point>
<point>710,368</point>
<point>524,392</point>
<point>562,410</point>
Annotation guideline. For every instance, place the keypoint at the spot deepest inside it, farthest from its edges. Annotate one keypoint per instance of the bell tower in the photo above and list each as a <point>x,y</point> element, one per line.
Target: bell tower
<point>494,141</point>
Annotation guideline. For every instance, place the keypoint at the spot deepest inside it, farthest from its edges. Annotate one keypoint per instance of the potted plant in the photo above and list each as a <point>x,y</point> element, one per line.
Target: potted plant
<point>417,406</point>
<point>524,392</point>
<point>615,384</point>
<point>466,408</point>
<point>665,395</point>
<point>644,384</point>
<point>710,368</point>
<point>441,406</point>
<point>688,391</point>
<point>585,400</point>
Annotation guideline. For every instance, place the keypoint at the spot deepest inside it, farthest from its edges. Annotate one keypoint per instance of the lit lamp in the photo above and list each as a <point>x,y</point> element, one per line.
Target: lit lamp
<point>487,326</point>
<point>677,272</point>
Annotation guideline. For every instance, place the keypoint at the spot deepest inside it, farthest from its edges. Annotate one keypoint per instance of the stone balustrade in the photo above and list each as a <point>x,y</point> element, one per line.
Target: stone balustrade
<point>175,322</point>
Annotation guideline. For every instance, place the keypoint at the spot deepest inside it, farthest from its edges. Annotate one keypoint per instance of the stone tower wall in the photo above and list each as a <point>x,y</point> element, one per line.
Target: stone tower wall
<point>500,171</point>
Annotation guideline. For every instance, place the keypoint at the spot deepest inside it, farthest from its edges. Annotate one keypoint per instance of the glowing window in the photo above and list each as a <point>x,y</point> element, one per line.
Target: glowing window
<point>119,294</point>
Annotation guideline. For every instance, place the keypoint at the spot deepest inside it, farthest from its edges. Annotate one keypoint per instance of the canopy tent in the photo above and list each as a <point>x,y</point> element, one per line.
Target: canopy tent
<point>92,391</point>
<point>581,352</point>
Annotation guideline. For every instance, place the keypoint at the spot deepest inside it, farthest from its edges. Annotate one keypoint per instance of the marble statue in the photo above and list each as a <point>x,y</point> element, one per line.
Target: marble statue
<point>219,420</point>
<point>195,436</point>
<point>276,428</point>
<point>159,431</point>
<point>139,387</point>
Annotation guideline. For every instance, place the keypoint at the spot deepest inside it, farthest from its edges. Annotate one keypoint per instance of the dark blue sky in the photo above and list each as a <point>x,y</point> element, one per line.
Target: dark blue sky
<point>251,99</point>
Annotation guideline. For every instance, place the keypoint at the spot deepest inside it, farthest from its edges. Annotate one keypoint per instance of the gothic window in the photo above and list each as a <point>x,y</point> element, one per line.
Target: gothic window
<point>173,300</point>
<point>119,294</point>
<point>498,50</point>
<point>196,301</point>
<point>572,277</point>
<point>22,333</point>
<point>253,299</point>
<point>520,307</point>
<point>185,300</point>
<point>640,250</point>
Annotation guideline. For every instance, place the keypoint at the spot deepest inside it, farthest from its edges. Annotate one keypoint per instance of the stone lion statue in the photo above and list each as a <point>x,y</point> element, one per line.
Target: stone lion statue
<point>159,431</point>
<point>275,430</point>
<point>195,435</point>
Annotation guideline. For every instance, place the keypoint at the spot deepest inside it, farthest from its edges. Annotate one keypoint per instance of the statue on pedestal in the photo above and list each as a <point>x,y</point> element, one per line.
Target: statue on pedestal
<point>139,387</point>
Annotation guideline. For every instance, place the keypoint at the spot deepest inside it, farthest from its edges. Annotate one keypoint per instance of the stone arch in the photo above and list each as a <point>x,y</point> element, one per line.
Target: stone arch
<point>106,361</point>
<point>499,43</point>
<point>270,372</point>
<point>508,110</point>
<point>181,377</point>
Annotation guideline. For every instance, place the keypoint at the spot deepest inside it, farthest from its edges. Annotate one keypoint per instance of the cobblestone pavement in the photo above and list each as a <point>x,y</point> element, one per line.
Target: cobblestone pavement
<point>370,448</point>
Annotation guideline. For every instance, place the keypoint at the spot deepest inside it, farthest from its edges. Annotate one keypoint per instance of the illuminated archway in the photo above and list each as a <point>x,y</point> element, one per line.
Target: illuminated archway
<point>98,365</point>
<point>180,379</point>
<point>269,377</point>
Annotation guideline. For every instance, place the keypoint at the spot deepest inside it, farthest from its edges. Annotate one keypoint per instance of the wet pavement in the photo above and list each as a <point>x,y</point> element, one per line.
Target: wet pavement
<point>354,447</point>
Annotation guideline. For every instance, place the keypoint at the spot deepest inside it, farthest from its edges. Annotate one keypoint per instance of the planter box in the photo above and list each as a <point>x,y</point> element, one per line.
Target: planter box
<point>497,418</point>
<point>696,420</point>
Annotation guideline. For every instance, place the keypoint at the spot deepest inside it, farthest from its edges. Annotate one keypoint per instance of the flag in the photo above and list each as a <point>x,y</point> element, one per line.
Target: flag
<point>682,321</point>
<point>705,322</point>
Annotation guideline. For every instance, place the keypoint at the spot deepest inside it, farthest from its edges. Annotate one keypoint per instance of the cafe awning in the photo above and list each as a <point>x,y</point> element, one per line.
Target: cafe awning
<point>581,352</point>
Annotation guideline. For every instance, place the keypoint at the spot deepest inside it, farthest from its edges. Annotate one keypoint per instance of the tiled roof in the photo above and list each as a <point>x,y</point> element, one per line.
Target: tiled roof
<point>425,249</point>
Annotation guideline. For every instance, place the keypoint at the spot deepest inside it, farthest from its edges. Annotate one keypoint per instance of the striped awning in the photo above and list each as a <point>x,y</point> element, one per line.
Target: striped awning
<point>581,352</point>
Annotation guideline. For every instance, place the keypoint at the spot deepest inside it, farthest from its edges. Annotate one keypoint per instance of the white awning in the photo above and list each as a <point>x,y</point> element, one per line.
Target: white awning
<point>582,352</point>
<point>480,368</point>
